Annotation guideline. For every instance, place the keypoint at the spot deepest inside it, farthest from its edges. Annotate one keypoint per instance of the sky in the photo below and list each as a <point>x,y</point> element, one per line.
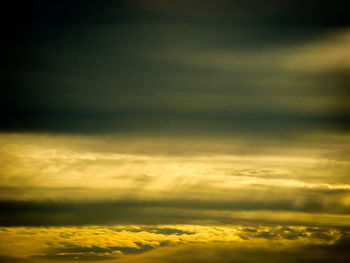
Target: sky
<point>175,131</point>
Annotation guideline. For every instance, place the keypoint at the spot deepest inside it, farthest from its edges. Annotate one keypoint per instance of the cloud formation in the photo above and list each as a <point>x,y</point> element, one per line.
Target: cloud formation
<point>68,180</point>
<point>136,243</point>
<point>175,131</point>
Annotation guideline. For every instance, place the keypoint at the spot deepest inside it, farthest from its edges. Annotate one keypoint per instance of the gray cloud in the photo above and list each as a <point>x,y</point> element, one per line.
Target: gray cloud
<point>162,69</point>
<point>37,213</point>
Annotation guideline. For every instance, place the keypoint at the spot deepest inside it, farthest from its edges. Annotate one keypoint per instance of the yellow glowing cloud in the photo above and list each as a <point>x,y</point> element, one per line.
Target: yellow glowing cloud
<point>117,241</point>
<point>41,163</point>
<point>205,185</point>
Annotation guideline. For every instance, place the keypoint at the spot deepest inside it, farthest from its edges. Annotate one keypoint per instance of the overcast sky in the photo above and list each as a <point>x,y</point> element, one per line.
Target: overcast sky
<point>175,131</point>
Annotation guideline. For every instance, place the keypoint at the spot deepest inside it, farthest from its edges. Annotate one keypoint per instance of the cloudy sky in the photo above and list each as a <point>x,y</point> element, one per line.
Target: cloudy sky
<point>175,131</point>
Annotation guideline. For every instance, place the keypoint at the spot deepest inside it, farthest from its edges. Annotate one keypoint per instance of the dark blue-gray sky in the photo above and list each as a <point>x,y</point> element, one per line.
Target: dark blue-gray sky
<point>175,67</point>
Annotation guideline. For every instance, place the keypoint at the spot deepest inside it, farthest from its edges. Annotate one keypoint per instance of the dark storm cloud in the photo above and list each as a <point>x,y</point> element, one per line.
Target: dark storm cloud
<point>46,213</point>
<point>7,259</point>
<point>106,66</point>
<point>80,12</point>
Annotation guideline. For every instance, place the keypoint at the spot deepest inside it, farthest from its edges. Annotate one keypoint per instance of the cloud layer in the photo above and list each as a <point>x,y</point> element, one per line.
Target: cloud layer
<point>175,131</point>
<point>153,243</point>
<point>68,180</point>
